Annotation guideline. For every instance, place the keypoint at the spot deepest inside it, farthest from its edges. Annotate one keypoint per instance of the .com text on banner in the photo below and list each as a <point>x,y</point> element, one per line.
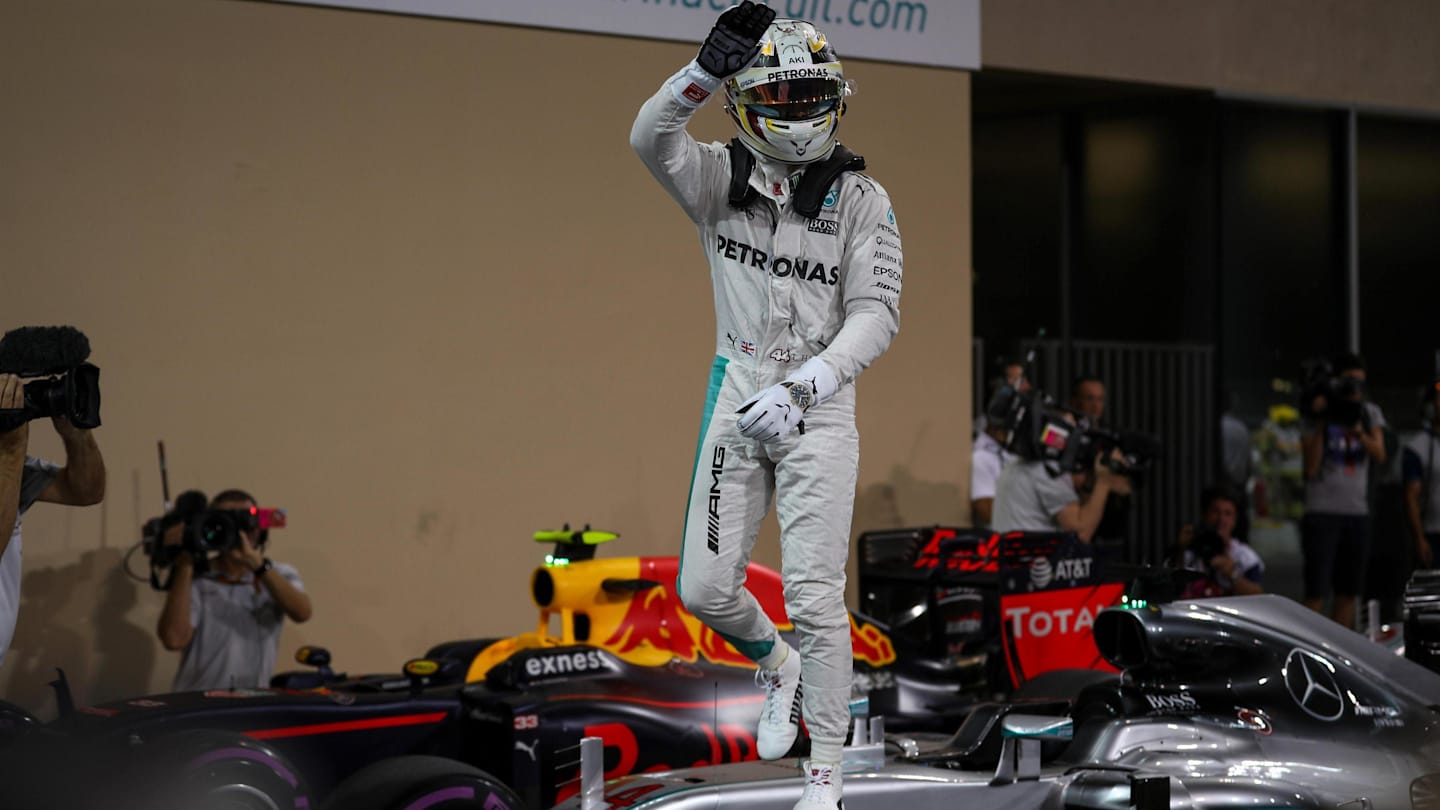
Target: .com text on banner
<point>944,33</point>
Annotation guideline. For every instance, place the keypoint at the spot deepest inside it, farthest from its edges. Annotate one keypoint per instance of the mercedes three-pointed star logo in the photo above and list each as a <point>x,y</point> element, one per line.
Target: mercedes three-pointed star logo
<point>1311,681</point>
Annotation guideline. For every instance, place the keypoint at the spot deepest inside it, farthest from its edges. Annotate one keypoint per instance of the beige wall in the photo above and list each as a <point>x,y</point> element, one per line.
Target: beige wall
<point>404,278</point>
<point>1384,53</point>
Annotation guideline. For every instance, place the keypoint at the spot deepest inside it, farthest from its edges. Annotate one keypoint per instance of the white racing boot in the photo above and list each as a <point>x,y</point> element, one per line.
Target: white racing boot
<point>823,784</point>
<point>780,719</point>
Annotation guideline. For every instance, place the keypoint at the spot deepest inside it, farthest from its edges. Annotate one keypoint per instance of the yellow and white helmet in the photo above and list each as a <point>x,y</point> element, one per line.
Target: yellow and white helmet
<point>787,105</point>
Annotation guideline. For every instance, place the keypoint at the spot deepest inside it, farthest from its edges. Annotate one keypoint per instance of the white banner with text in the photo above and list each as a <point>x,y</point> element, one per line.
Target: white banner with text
<point>945,33</point>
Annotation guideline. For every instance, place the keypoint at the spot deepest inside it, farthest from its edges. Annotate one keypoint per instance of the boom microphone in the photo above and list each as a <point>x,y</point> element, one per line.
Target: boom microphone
<point>34,351</point>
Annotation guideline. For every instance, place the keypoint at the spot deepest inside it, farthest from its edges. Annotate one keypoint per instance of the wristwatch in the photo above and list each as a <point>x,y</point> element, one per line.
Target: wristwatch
<point>264,567</point>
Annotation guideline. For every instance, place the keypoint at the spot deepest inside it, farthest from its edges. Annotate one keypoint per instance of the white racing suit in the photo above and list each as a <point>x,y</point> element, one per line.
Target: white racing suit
<point>787,288</point>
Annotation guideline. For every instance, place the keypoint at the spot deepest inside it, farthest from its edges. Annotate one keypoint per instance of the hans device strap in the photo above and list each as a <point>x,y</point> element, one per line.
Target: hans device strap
<point>814,183</point>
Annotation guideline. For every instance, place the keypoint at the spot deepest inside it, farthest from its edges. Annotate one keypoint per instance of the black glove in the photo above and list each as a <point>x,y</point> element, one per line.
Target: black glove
<point>735,39</point>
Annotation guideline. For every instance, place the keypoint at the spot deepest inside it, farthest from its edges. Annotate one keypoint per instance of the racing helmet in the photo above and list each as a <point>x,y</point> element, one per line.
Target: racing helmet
<point>787,105</point>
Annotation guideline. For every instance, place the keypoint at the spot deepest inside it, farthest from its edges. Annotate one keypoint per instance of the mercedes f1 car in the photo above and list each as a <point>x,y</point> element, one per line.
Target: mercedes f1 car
<point>614,655</point>
<point>1242,702</point>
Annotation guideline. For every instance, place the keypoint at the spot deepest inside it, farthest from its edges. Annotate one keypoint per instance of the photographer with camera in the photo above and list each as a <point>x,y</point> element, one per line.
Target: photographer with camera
<point>24,480</point>
<point>1033,494</point>
<point>1012,373</point>
<point>226,617</point>
<point>1231,567</point>
<point>989,456</point>
<point>1087,399</point>
<point>1343,435</point>
<point>65,388</point>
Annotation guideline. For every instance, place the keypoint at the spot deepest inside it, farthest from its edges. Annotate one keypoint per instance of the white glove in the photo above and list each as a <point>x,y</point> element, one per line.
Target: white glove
<point>779,409</point>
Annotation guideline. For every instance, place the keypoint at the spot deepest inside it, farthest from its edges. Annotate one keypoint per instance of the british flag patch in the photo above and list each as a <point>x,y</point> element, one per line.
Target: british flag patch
<point>747,347</point>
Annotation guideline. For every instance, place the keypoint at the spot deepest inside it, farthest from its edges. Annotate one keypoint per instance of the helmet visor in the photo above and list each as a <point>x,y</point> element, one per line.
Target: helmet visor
<point>794,100</point>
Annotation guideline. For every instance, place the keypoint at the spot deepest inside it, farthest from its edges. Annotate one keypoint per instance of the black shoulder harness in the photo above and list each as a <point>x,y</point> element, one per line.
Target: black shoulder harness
<point>814,183</point>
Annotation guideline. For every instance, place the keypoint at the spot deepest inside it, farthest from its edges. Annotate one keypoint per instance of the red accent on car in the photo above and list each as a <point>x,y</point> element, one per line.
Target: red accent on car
<point>348,725</point>
<point>1054,629</point>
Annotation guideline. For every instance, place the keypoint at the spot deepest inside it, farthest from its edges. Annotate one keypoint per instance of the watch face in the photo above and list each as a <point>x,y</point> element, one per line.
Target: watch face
<point>801,395</point>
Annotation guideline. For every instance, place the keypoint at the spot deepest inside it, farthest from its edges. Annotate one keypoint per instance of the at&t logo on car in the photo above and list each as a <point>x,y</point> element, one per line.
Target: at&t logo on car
<point>1041,573</point>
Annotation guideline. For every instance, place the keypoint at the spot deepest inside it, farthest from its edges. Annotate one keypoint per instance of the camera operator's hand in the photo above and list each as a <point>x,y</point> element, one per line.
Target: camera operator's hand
<point>65,429</point>
<point>1223,565</point>
<point>12,397</point>
<point>1117,482</point>
<point>246,553</point>
<point>173,535</point>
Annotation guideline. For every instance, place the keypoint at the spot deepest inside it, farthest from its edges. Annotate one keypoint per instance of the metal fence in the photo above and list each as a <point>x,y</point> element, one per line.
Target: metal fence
<point>1166,390</point>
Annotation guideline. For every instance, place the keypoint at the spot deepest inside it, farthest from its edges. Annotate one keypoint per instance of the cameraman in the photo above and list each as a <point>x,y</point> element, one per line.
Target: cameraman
<point>1087,397</point>
<point>25,480</point>
<point>989,456</point>
<point>987,460</point>
<point>1232,568</point>
<point>1343,436</point>
<point>1029,499</point>
<point>1012,374</point>
<point>228,621</point>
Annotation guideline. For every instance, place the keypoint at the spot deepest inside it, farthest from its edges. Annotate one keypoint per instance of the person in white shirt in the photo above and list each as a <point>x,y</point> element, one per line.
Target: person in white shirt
<point>25,480</point>
<point>987,459</point>
<point>1231,566</point>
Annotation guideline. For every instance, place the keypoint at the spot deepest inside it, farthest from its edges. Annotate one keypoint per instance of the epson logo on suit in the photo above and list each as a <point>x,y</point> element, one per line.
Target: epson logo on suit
<point>566,664</point>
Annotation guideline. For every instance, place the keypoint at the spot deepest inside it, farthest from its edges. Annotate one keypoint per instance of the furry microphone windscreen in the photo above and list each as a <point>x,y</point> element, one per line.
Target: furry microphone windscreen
<point>33,351</point>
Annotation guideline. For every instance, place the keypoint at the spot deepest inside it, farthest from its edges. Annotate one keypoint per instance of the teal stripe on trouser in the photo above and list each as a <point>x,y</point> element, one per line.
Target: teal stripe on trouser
<point>754,650</point>
<point>712,394</point>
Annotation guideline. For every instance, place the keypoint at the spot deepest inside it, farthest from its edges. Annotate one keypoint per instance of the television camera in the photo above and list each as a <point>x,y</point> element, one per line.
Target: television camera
<point>1038,429</point>
<point>1343,396</point>
<point>193,527</point>
<point>66,384</point>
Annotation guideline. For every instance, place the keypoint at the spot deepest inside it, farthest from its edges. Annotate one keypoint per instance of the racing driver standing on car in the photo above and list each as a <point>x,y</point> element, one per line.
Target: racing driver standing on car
<point>805,261</point>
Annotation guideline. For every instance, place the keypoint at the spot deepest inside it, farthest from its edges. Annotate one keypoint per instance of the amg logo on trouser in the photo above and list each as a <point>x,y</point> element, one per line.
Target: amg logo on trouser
<point>712,528</point>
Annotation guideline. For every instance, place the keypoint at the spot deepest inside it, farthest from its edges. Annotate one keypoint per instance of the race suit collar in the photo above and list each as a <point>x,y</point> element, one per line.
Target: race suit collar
<point>774,179</point>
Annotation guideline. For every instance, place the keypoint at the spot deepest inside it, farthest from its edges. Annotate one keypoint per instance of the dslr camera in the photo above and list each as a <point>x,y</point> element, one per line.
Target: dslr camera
<point>1206,544</point>
<point>1344,396</point>
<point>1040,430</point>
<point>206,533</point>
<point>68,386</point>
